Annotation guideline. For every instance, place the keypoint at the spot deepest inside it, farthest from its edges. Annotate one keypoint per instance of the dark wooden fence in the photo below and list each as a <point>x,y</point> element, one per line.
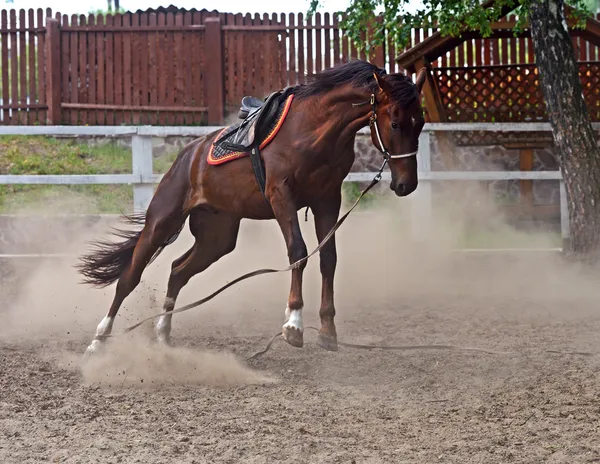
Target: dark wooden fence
<point>189,67</point>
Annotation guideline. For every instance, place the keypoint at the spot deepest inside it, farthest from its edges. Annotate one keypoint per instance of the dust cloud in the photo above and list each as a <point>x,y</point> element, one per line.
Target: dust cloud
<point>380,261</point>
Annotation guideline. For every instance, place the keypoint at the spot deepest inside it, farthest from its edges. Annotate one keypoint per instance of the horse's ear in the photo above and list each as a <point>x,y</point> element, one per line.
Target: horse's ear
<point>381,83</point>
<point>421,75</point>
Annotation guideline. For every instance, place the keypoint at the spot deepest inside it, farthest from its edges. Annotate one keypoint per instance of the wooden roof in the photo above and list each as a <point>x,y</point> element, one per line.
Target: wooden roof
<point>437,45</point>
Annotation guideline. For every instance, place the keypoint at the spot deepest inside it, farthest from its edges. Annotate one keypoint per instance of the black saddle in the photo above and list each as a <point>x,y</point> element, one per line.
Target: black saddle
<point>246,136</point>
<point>249,105</point>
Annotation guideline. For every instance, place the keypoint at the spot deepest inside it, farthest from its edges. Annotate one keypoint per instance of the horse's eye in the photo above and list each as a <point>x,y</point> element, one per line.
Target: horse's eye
<point>395,126</point>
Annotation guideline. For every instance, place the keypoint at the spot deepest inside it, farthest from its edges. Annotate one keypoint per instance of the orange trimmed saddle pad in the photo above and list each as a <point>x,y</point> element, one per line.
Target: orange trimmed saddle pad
<point>220,155</point>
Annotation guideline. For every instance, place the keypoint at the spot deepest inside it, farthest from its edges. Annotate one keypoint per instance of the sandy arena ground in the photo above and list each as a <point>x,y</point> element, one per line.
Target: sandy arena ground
<point>200,402</point>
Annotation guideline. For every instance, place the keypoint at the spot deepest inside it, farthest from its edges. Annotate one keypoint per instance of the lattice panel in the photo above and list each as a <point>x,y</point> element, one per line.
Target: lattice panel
<point>508,93</point>
<point>491,93</point>
<point>502,93</point>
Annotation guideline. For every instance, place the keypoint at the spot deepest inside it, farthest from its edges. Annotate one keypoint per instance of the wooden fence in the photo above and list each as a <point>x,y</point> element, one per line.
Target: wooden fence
<point>186,68</point>
<point>143,179</point>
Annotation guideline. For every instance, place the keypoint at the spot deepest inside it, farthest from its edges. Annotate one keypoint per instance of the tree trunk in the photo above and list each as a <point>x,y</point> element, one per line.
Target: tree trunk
<point>574,139</point>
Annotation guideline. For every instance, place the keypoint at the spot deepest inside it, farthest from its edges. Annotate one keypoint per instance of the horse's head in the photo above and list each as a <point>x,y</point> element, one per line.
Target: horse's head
<point>397,126</point>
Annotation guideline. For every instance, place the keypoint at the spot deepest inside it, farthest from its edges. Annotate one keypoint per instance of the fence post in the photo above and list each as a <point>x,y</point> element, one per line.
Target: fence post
<point>421,222</point>
<point>214,95</point>
<point>565,226</point>
<point>53,71</point>
<point>141,148</point>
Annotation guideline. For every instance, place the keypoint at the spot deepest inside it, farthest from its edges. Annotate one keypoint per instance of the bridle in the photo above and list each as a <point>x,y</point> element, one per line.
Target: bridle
<point>373,123</point>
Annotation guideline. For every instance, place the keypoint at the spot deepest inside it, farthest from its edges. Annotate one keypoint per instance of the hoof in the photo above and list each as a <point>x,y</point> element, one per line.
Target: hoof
<point>293,336</point>
<point>164,341</point>
<point>327,342</point>
<point>93,349</point>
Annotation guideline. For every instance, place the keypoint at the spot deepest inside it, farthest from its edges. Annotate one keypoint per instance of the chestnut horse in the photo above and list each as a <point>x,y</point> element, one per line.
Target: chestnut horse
<point>305,166</point>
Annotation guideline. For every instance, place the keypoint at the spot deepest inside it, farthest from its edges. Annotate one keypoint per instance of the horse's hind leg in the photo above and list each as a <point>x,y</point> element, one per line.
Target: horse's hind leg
<point>153,236</point>
<point>216,235</point>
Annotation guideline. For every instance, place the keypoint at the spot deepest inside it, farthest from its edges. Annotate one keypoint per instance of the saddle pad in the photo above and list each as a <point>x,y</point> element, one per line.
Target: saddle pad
<point>219,155</point>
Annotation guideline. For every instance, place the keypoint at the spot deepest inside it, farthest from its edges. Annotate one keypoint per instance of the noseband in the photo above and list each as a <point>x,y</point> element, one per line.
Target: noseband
<point>373,122</point>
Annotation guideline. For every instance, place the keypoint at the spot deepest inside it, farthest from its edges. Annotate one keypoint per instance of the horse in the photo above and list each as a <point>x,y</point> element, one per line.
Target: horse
<point>304,167</point>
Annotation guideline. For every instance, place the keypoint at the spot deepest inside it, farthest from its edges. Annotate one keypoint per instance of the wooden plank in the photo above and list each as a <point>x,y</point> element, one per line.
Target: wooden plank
<point>256,53</point>
<point>170,60</point>
<point>14,66</point>
<point>188,69</point>
<point>478,52</point>
<point>230,49</point>
<point>100,71</point>
<point>513,45</point>
<point>530,52</point>
<point>310,63</point>
<point>92,71</point>
<point>327,41</point>
<point>131,108</point>
<point>280,40</point>
<point>504,47</point>
<point>495,51</point>
<point>293,70</point>
<point>345,46</point>
<point>110,70</point>
<point>197,66</point>
<point>240,62</point>
<point>526,186</point>
<point>470,59</point>
<point>137,52</point>
<point>83,71</point>
<point>118,29</point>
<point>22,53</point>
<point>153,63</point>
<point>53,53</point>
<point>118,70</point>
<point>318,44</point>
<point>178,83</point>
<point>127,68</point>
<point>214,75</point>
<point>269,59</point>
<point>301,51</point>
<point>31,67</point>
<point>74,68</point>
<point>163,66</point>
<point>522,50</point>
<point>41,66</point>
<point>452,56</point>
<point>336,40</point>
<point>65,73</point>
<point>266,61</point>
<point>5,67</point>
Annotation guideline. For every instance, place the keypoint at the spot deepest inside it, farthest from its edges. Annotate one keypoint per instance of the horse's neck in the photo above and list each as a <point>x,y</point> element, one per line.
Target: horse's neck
<point>342,115</point>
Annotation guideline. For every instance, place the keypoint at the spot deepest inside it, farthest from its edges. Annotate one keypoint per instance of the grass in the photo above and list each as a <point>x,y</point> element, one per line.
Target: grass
<point>45,155</point>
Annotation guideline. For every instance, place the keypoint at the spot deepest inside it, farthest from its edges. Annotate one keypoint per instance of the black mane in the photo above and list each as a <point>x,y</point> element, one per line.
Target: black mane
<point>358,74</point>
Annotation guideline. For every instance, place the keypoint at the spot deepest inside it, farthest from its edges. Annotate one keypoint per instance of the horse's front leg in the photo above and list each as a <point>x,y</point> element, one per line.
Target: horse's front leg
<point>287,217</point>
<point>326,215</point>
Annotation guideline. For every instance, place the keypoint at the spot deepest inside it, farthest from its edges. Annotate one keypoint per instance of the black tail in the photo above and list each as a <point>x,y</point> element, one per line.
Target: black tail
<point>107,262</point>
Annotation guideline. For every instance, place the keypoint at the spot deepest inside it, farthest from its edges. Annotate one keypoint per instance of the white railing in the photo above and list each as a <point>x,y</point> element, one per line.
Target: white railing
<point>143,178</point>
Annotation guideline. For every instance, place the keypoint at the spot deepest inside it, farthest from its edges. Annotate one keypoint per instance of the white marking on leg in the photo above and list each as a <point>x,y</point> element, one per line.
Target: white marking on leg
<point>104,329</point>
<point>163,325</point>
<point>293,318</point>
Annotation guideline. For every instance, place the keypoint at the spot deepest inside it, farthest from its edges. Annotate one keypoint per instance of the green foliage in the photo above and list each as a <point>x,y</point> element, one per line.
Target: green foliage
<point>451,17</point>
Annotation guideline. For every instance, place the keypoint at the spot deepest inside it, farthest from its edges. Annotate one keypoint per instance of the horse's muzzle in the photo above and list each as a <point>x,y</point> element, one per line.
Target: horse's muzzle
<point>403,190</point>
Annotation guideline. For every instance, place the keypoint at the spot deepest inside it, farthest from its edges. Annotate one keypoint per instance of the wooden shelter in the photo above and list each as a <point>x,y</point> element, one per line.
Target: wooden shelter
<point>497,81</point>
